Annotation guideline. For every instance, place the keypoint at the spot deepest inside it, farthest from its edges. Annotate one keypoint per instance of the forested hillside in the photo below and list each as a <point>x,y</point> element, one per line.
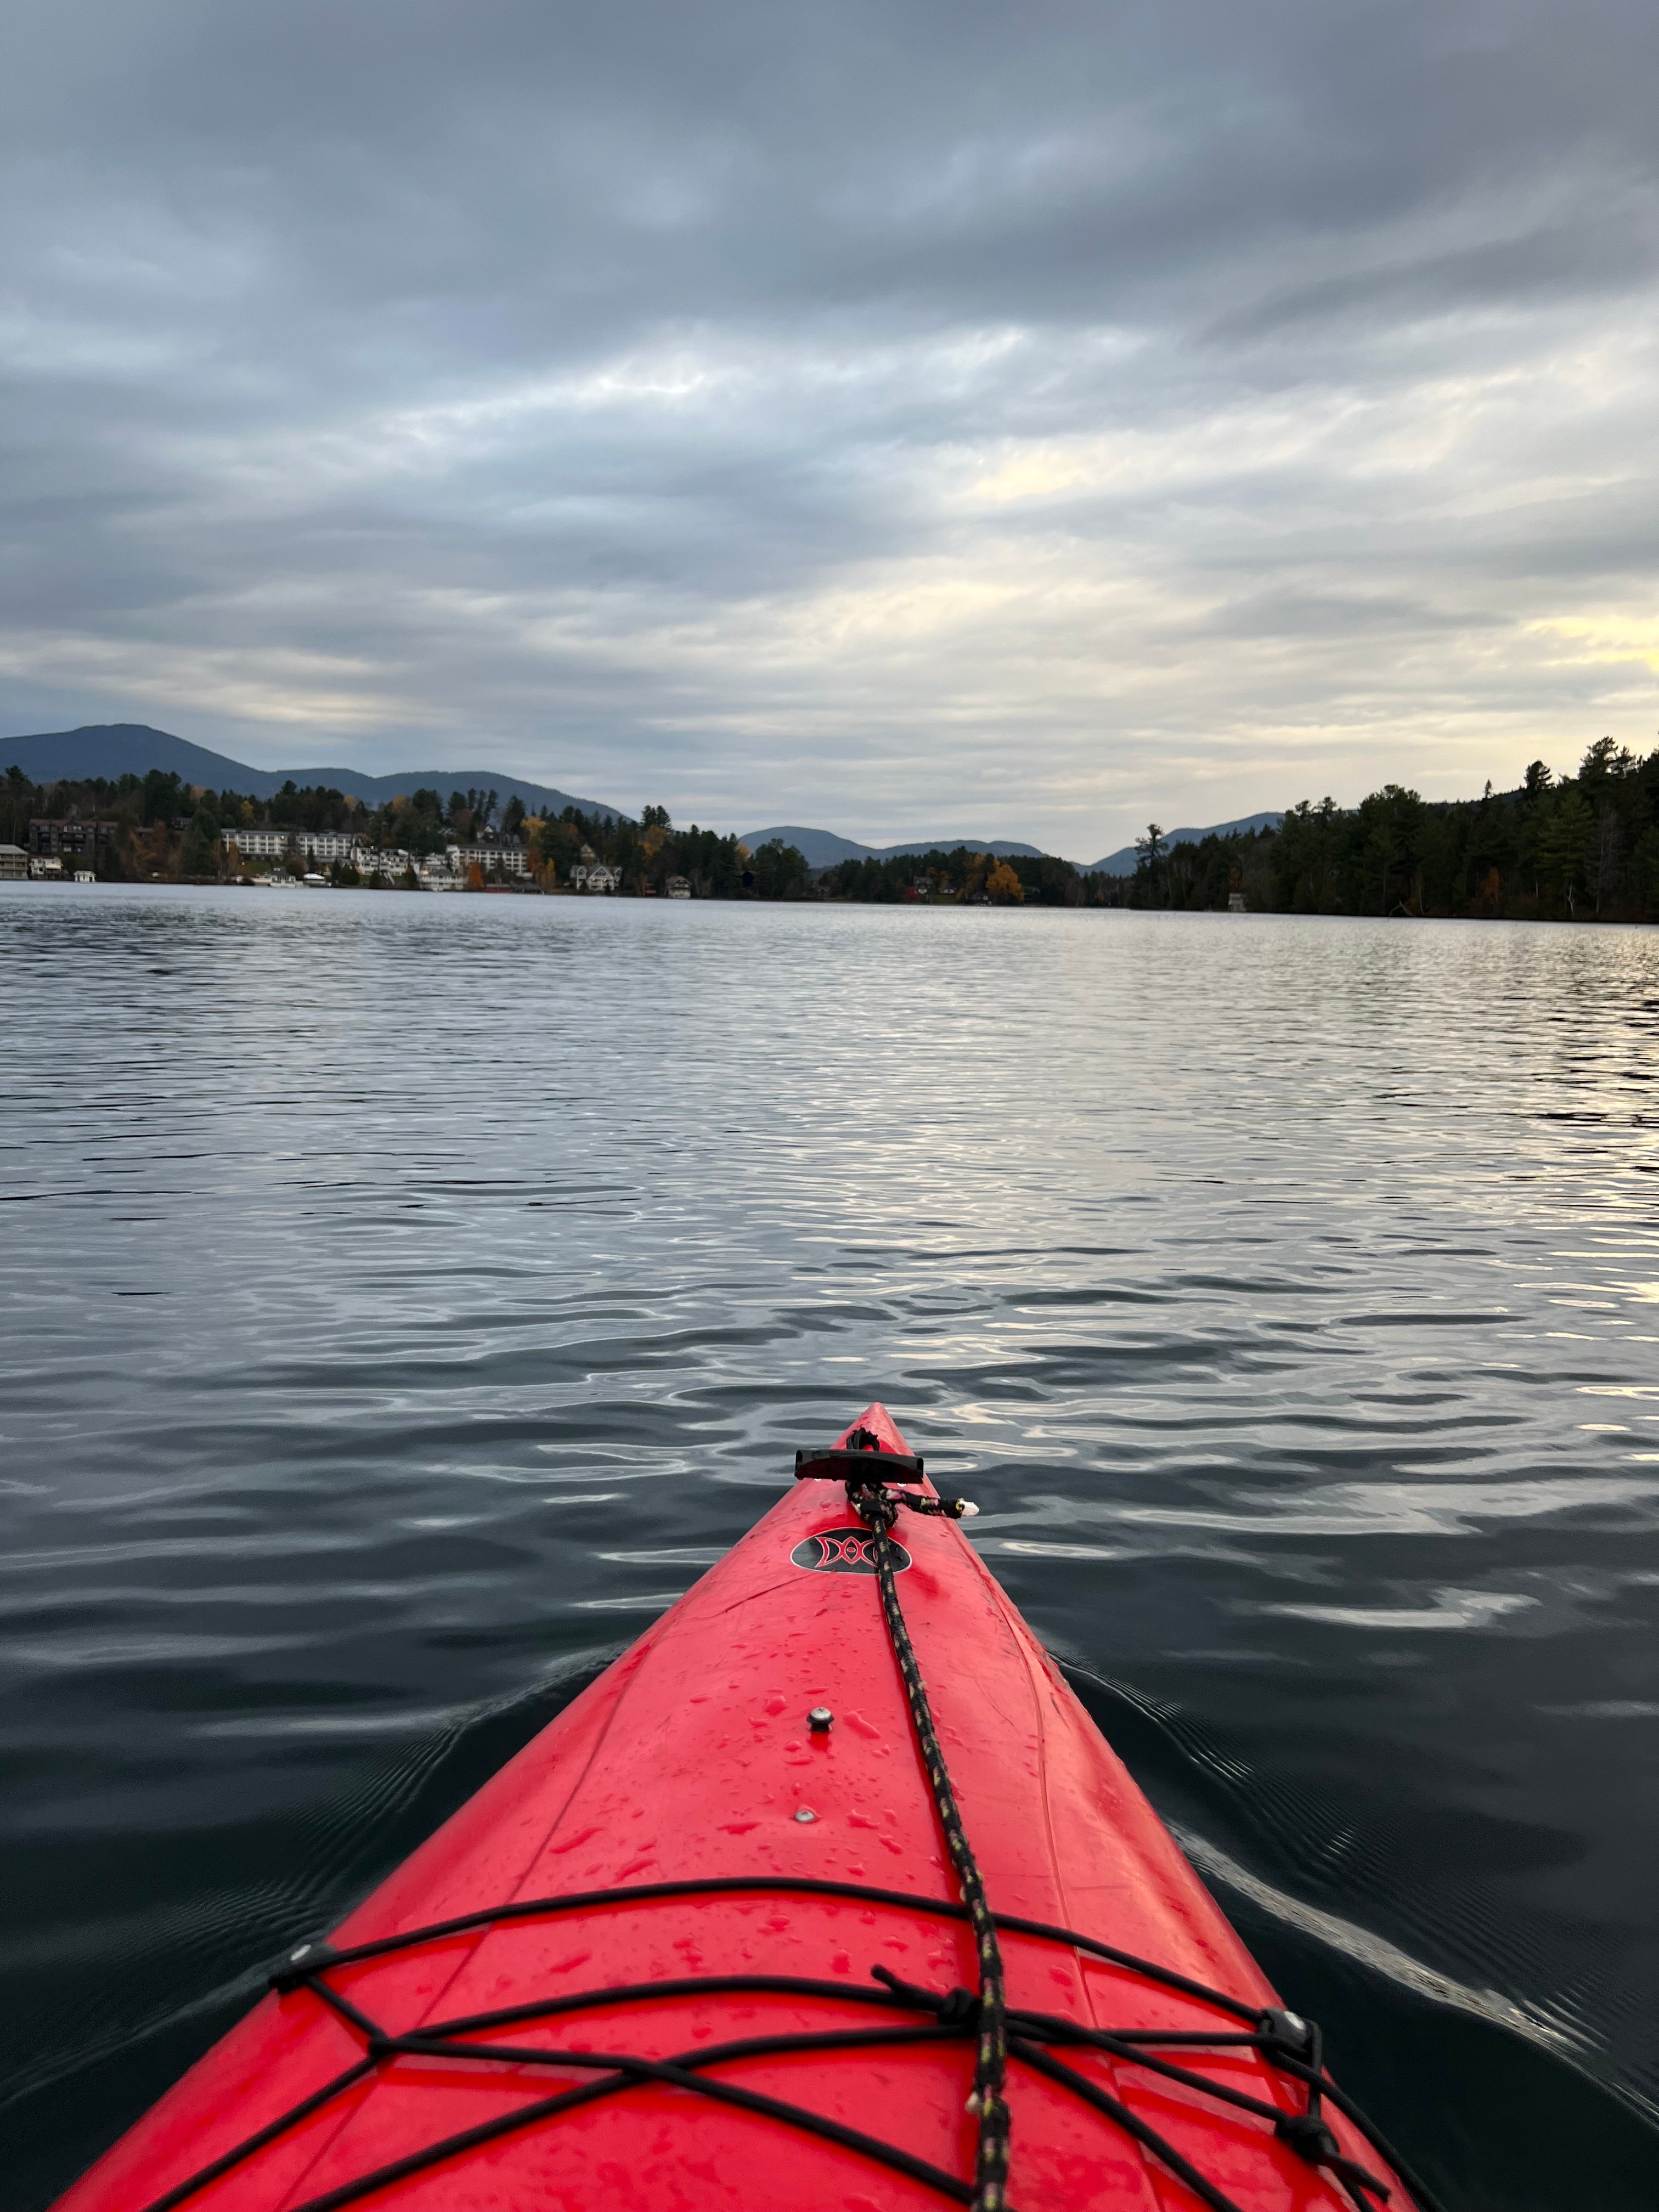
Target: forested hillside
<point>963,877</point>
<point>161,829</point>
<point>1584,847</point>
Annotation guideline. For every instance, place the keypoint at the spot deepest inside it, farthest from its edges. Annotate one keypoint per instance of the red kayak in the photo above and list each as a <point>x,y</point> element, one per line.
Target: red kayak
<point>827,1894</point>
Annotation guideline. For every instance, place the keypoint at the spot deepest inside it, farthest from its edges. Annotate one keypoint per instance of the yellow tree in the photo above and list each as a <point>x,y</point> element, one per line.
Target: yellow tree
<point>1004,886</point>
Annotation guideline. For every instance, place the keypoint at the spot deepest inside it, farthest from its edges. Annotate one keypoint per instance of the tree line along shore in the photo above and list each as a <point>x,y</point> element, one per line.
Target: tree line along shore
<point>154,829</point>
<point>1577,847</point>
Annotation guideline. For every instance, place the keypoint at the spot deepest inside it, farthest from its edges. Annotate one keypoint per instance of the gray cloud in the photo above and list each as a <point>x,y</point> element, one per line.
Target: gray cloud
<point>912,418</point>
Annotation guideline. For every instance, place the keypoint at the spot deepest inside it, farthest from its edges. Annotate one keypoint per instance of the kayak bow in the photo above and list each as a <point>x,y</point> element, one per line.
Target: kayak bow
<point>827,1892</point>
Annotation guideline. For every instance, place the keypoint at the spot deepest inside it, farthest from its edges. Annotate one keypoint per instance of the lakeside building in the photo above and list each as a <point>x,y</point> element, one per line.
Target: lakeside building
<point>334,845</point>
<point>507,859</point>
<point>446,870</point>
<point>14,865</point>
<point>46,868</point>
<point>52,840</point>
<point>275,844</point>
<point>677,887</point>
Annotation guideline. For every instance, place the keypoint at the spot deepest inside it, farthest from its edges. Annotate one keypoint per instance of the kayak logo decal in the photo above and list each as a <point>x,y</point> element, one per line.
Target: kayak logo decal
<point>843,1552</point>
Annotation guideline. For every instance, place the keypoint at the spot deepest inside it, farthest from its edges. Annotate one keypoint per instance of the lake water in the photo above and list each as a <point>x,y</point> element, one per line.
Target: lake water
<point>405,1298</point>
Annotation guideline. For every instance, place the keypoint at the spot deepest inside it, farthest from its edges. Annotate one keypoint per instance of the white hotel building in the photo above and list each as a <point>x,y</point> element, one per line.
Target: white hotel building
<point>331,845</point>
<point>273,844</point>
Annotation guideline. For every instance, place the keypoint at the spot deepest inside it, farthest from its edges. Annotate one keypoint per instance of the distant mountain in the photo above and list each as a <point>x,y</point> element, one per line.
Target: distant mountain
<point>822,848</point>
<point>116,749</point>
<point>1122,862</point>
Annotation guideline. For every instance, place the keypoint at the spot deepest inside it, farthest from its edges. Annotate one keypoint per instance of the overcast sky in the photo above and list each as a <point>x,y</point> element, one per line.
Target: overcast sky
<point>901,418</point>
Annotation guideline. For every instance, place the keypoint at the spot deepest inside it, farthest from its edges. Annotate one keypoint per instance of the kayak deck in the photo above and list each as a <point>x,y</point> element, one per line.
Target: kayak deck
<point>682,1875</point>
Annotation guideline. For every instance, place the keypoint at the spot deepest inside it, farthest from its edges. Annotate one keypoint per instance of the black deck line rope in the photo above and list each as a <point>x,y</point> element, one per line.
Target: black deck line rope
<point>955,2015</point>
<point>1292,2047</point>
<point>1307,2134</point>
<point>428,2043</point>
<point>1312,2139</point>
<point>1289,2127</point>
<point>1131,2123</point>
<point>877,1508</point>
<point>295,1969</point>
<point>337,2002</point>
<point>419,2045</point>
<point>622,2070</point>
<point>183,2190</point>
<point>682,2071</point>
<point>1043,2027</point>
<point>687,1985</point>
<point>804,1986</point>
<point>1288,2063</point>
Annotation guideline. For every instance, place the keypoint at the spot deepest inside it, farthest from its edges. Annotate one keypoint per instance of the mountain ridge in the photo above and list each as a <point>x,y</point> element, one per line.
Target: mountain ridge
<point>823,849</point>
<point>117,749</point>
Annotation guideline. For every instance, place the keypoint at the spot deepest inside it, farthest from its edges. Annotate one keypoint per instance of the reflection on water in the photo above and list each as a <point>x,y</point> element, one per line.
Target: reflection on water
<point>404,1299</point>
